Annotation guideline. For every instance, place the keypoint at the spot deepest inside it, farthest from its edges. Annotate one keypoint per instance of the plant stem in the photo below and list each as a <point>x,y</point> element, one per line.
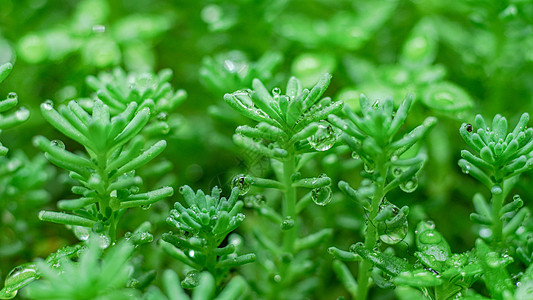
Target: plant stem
<point>289,203</point>
<point>497,226</point>
<point>371,233</point>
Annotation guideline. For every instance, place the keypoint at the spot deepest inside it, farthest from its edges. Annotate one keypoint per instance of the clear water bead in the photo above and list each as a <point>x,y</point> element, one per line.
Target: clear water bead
<point>240,182</point>
<point>324,138</point>
<point>322,195</point>
<point>394,229</point>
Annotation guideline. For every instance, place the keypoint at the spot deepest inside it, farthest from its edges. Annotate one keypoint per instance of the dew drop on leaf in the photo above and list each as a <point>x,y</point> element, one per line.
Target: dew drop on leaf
<point>19,277</point>
<point>469,127</point>
<point>82,233</point>
<point>57,143</point>
<point>276,91</point>
<point>429,237</point>
<point>355,155</point>
<point>146,207</point>
<point>104,241</point>
<point>240,182</point>
<point>410,185</point>
<point>48,105</point>
<point>430,224</point>
<point>496,190</point>
<point>397,172</point>
<point>259,200</point>
<point>324,138</point>
<point>191,280</point>
<point>394,229</point>
<point>12,96</point>
<point>162,116</point>
<point>22,114</point>
<point>368,168</point>
<point>322,195</point>
<point>287,224</point>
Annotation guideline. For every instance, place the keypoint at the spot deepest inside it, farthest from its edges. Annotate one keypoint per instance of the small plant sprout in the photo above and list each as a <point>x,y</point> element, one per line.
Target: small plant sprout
<point>202,227</point>
<point>372,137</point>
<point>232,71</point>
<point>117,89</point>
<point>291,129</point>
<point>14,118</point>
<point>108,185</point>
<point>95,276</point>
<point>205,290</point>
<point>499,158</point>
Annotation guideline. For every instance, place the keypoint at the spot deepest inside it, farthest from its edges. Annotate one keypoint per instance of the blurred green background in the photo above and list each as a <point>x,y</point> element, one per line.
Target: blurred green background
<point>459,58</point>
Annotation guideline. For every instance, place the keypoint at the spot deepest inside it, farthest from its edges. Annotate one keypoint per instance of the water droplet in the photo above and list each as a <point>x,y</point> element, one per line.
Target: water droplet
<point>397,172</point>
<point>162,116</point>
<point>48,105</point>
<point>355,155</point>
<point>82,233</point>
<point>368,168</point>
<point>469,127</point>
<point>191,280</point>
<point>104,241</point>
<point>410,185</point>
<point>146,207</point>
<point>19,277</point>
<point>145,82</point>
<point>429,237</point>
<point>12,96</point>
<point>516,197</point>
<point>276,91</point>
<point>394,229</point>
<point>430,224</point>
<point>322,195</point>
<point>99,28</point>
<point>277,278</point>
<point>467,168</point>
<point>57,143</point>
<point>287,224</point>
<point>496,190</point>
<point>376,104</point>
<point>485,233</point>
<point>259,200</point>
<point>240,182</point>
<point>324,138</point>
<point>22,114</point>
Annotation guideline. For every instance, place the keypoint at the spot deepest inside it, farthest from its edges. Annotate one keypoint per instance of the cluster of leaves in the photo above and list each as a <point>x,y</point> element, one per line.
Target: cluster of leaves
<point>202,227</point>
<point>449,55</point>
<point>106,173</point>
<point>13,118</point>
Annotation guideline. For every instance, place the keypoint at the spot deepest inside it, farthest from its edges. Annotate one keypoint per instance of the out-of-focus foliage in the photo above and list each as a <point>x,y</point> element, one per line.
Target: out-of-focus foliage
<point>177,59</point>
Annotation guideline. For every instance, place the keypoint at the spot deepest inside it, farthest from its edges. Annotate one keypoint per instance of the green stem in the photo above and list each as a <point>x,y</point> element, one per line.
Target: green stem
<point>211,257</point>
<point>497,226</point>
<point>371,233</point>
<point>289,203</point>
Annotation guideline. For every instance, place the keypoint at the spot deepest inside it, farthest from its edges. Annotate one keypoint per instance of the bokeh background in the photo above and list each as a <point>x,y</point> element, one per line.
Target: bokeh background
<point>458,58</point>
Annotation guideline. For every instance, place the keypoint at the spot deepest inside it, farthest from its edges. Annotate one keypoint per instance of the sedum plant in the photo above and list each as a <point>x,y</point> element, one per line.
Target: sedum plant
<point>235,289</point>
<point>117,89</point>
<point>499,157</point>
<point>232,71</point>
<point>202,227</point>
<point>94,276</point>
<point>291,128</point>
<point>13,118</point>
<point>108,185</point>
<point>372,137</point>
